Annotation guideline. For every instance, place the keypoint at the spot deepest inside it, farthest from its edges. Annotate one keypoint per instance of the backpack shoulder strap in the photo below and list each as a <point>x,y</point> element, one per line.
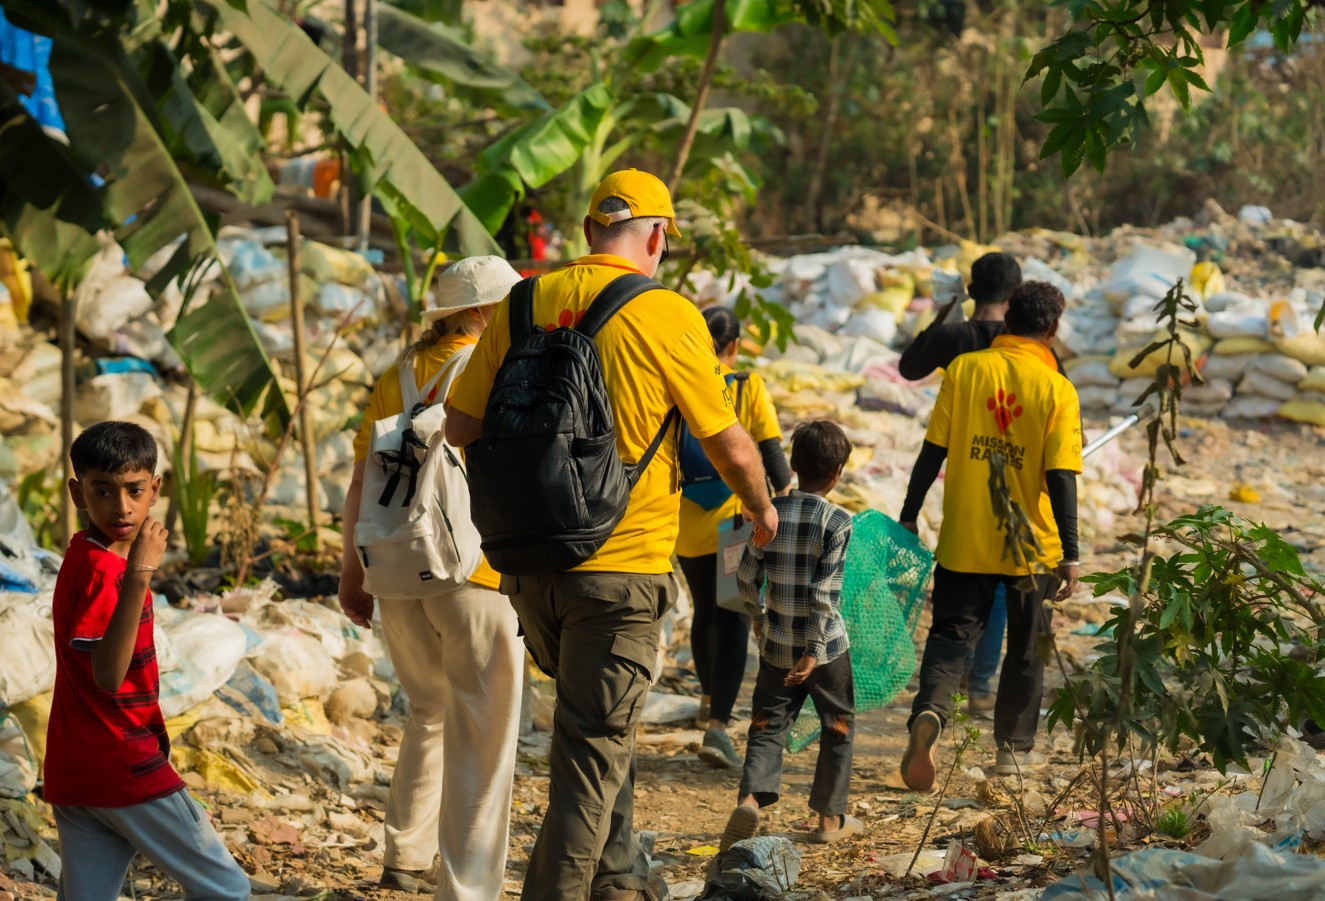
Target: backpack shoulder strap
<point>521,310</point>
<point>740,378</point>
<point>611,299</point>
<point>410,395</point>
<point>633,473</point>
<point>451,371</point>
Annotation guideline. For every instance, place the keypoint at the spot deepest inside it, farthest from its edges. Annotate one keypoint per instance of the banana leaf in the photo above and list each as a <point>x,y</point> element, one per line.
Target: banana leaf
<point>543,148</point>
<point>389,159</point>
<point>441,54</point>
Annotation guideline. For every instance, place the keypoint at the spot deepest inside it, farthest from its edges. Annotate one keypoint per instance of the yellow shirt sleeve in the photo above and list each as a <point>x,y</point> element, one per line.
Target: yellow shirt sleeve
<point>758,414</point>
<point>385,401</point>
<point>1062,446</point>
<point>695,383</point>
<point>470,392</point>
<point>940,421</point>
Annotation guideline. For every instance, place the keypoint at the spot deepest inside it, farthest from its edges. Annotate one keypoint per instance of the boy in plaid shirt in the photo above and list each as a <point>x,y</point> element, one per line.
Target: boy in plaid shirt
<point>803,646</point>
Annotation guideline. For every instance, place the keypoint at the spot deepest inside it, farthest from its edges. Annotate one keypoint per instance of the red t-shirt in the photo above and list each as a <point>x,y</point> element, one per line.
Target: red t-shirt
<point>102,750</point>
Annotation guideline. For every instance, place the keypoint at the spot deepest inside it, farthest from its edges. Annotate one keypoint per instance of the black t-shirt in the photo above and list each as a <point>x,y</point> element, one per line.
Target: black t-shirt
<point>938,345</point>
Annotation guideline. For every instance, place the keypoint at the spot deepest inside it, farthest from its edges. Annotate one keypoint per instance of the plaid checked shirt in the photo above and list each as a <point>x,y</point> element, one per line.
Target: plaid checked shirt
<point>803,568</point>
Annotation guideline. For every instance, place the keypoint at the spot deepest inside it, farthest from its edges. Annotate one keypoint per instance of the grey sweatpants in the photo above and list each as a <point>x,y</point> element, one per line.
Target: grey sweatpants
<point>98,843</point>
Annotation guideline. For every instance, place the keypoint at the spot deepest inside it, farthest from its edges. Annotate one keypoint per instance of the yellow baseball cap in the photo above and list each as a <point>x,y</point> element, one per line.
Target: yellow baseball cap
<point>644,194</point>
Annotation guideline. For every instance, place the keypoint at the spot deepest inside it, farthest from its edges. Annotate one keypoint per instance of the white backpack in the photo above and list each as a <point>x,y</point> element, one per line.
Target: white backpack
<point>415,537</point>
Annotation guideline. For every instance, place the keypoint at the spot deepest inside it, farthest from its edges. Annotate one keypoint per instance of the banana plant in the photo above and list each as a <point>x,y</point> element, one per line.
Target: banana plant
<point>149,110</point>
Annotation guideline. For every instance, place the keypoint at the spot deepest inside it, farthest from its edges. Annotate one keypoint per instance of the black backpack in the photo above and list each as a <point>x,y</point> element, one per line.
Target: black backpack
<point>547,486</point>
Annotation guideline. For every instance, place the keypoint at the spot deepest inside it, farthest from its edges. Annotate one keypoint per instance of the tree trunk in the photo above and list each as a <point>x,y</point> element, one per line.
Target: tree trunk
<point>837,87</point>
<point>716,38</point>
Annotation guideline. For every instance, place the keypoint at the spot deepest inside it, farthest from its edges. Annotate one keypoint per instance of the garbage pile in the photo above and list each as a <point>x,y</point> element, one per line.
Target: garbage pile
<point>127,369</point>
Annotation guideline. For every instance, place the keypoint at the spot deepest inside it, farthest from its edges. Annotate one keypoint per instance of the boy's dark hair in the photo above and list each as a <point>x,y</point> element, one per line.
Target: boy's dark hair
<point>993,278</point>
<point>113,447</point>
<point>1033,309</point>
<point>817,449</point>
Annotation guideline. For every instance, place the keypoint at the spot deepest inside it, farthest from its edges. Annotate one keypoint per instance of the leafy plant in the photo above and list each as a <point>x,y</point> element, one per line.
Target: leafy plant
<point>40,503</point>
<point>1207,665</point>
<point>964,737</point>
<point>194,490</point>
<point>1173,823</point>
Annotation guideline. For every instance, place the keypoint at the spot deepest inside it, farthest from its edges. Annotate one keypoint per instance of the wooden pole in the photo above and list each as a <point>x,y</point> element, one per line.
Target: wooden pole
<point>349,60</point>
<point>301,383</point>
<point>68,309</point>
<point>364,221</point>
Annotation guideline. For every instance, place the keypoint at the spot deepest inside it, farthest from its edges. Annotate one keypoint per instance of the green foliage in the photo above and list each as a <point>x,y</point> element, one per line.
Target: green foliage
<point>1222,651</point>
<point>194,489</point>
<point>40,502</point>
<point>1173,823</point>
<point>1097,77</point>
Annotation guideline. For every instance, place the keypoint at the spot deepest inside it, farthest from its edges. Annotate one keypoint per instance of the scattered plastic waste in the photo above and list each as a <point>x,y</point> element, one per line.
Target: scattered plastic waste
<point>755,869</point>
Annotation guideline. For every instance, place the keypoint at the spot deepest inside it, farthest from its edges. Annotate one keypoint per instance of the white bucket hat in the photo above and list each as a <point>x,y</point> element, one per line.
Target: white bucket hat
<point>471,282</point>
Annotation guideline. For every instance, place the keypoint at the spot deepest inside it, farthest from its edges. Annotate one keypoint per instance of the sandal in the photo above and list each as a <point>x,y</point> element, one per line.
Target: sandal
<point>742,824</point>
<point>850,826</point>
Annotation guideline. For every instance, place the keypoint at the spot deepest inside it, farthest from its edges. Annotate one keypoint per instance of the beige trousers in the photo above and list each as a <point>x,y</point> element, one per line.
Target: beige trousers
<point>460,664</point>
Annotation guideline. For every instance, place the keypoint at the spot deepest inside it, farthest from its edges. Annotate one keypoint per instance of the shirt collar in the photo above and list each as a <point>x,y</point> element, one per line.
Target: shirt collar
<point>605,259</point>
<point>1027,345</point>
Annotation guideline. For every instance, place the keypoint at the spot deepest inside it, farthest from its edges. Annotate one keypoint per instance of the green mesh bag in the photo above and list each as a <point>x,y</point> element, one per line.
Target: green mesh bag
<point>883,591</point>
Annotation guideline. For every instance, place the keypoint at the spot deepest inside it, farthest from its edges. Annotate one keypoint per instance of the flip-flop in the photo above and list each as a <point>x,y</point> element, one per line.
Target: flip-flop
<point>850,826</point>
<point>918,770</point>
<point>742,824</point>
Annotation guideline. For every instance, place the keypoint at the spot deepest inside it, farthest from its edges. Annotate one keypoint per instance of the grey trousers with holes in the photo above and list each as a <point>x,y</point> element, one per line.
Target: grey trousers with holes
<point>98,843</point>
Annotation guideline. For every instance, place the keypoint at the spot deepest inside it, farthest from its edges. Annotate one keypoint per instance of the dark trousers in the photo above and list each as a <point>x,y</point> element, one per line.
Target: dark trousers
<point>719,639</point>
<point>597,635</point>
<point>961,610</point>
<point>775,709</point>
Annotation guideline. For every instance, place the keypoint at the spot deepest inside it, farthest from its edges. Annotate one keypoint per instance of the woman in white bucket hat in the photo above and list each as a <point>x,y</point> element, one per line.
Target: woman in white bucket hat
<point>458,656</point>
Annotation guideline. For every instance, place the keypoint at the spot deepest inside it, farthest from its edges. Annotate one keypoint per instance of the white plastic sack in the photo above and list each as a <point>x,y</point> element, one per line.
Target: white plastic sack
<point>1230,367</point>
<point>345,304</point>
<point>877,325</point>
<point>1262,385</point>
<point>18,769</point>
<point>1092,372</point>
<point>849,280</point>
<point>1279,366</point>
<point>1213,391</point>
<point>831,318</point>
<point>1224,300</point>
<point>114,395</point>
<point>1239,322</point>
<point>123,299</point>
<point>1035,271</point>
<point>1207,410</point>
<point>207,647</point>
<point>1250,406</point>
<point>27,647</point>
<point>297,665</point>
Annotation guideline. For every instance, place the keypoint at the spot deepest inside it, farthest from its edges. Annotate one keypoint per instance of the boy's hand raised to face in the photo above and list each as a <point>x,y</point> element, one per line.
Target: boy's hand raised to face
<point>149,546</point>
<point>801,671</point>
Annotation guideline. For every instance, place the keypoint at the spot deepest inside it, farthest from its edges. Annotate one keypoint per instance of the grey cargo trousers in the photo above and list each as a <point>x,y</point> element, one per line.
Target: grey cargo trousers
<point>597,635</point>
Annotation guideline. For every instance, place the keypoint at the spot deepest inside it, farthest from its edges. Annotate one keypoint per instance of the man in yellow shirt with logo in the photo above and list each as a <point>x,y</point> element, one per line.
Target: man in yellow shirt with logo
<point>1011,400</point>
<point>596,628</point>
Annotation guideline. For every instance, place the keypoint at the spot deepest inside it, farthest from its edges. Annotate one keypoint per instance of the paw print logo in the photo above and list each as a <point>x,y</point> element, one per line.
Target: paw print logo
<point>566,319</point>
<point>1005,409</point>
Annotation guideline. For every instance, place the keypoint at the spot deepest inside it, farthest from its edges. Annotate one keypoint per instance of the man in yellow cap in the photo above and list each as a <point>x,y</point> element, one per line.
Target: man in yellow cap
<point>596,628</point>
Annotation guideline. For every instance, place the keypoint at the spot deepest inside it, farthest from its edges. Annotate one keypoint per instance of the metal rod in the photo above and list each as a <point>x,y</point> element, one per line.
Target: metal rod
<point>306,438</point>
<point>1148,411</point>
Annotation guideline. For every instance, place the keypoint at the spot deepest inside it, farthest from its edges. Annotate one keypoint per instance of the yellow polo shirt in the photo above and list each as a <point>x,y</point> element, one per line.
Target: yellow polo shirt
<point>699,527</point>
<point>1012,399</point>
<point>387,401</point>
<point>656,354</point>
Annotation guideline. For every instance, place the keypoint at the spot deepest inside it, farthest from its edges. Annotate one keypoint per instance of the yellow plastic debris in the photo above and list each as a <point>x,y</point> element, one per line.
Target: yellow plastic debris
<point>1121,365</point>
<point>703,851</point>
<point>1228,347</point>
<point>309,716</point>
<point>33,716</point>
<point>894,300</point>
<point>1308,411</point>
<point>1207,280</point>
<point>969,253</point>
<point>1308,348</point>
<point>216,770</point>
<point>178,725</point>
<point>1244,494</point>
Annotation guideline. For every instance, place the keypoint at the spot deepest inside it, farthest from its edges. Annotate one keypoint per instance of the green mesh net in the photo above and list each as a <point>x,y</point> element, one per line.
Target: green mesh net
<point>883,591</point>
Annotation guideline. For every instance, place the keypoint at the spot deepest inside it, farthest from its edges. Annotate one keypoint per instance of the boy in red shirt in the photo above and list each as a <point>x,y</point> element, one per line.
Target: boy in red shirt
<point>108,772</point>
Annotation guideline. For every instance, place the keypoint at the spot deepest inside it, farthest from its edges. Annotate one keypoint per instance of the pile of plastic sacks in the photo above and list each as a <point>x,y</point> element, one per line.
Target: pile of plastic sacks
<point>127,369</point>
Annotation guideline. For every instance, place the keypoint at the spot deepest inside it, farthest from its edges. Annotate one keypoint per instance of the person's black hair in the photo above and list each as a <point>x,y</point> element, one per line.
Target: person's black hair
<point>1033,309</point>
<point>817,449</point>
<point>113,447</point>
<point>723,326</point>
<point>993,278</point>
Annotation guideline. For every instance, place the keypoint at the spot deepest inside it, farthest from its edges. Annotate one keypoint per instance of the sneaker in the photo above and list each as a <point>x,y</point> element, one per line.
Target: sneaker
<point>918,769</point>
<point>656,891</point>
<point>406,881</point>
<point>742,824</point>
<point>1012,763</point>
<point>980,705</point>
<point>719,751</point>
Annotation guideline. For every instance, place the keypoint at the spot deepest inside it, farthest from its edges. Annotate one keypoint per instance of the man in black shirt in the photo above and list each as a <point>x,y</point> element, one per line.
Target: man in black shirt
<point>993,278</point>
